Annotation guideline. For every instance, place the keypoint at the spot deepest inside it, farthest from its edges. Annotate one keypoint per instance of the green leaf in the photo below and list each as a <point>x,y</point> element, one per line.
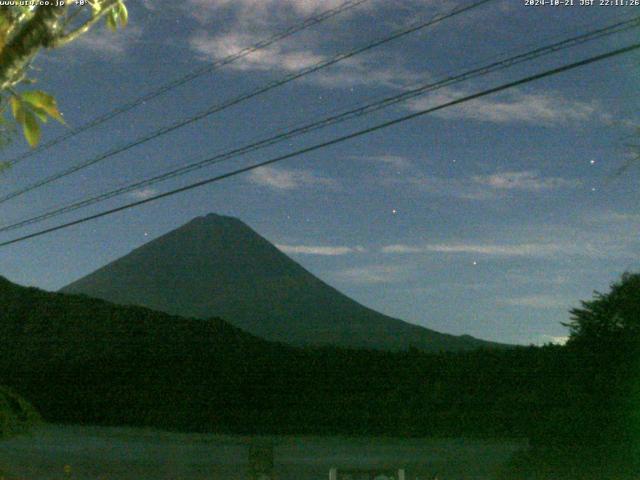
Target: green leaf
<point>36,97</point>
<point>112,20</point>
<point>43,102</point>
<point>123,14</point>
<point>31,128</point>
<point>40,113</point>
<point>17,109</point>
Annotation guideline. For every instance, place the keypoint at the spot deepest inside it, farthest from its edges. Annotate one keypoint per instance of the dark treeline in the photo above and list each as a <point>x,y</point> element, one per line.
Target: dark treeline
<point>83,360</point>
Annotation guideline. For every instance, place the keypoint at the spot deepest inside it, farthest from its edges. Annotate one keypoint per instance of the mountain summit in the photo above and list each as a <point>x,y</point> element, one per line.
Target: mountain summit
<point>216,266</point>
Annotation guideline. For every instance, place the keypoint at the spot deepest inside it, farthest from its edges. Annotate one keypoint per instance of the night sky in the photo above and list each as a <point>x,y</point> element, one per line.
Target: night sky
<point>492,219</point>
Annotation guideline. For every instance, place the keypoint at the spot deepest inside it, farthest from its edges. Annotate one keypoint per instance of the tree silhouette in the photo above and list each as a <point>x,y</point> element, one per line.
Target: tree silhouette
<point>610,320</point>
<point>605,336</point>
<point>589,428</point>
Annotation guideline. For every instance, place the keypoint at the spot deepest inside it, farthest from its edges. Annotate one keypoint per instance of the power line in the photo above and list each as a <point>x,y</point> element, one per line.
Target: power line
<point>334,141</point>
<point>306,23</point>
<point>332,120</point>
<point>234,101</point>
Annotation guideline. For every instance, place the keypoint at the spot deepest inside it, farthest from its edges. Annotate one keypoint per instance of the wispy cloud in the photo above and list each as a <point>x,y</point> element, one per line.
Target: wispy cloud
<point>523,249</point>
<point>514,107</point>
<point>538,278</point>
<point>371,71</point>
<point>319,250</point>
<point>143,193</point>
<point>397,162</point>
<point>293,56</point>
<point>481,187</point>
<point>399,171</point>
<point>463,188</point>
<point>613,217</point>
<point>372,274</point>
<point>288,179</point>
<point>498,250</point>
<point>102,42</point>
<point>543,301</point>
<point>254,10</point>
<point>525,181</point>
<point>400,248</point>
<point>274,57</point>
<point>151,5</point>
<point>604,236</point>
<point>248,22</point>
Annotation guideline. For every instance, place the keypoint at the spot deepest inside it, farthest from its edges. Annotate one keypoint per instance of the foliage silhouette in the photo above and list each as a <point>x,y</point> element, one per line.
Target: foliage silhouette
<point>597,435</point>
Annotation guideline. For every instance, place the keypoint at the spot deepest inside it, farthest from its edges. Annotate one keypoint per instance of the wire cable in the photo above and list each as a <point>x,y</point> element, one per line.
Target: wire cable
<point>234,101</point>
<point>308,22</point>
<point>334,141</point>
<point>332,120</point>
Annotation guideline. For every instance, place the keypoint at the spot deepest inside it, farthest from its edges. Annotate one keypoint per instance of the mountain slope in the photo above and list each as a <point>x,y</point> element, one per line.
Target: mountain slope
<point>218,266</point>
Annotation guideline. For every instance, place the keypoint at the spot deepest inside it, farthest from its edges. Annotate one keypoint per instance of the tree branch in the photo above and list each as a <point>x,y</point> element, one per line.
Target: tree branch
<point>39,32</point>
<point>84,28</point>
<point>16,20</point>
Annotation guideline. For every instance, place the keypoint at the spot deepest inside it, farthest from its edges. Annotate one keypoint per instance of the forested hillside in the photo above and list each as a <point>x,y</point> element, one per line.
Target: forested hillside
<point>85,360</point>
